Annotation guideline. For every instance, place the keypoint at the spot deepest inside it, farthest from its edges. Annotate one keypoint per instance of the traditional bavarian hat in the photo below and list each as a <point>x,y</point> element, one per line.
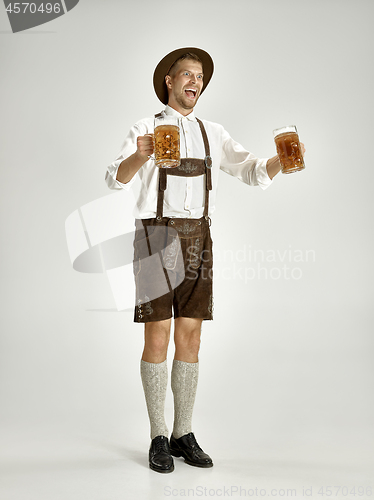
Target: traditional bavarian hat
<point>163,67</point>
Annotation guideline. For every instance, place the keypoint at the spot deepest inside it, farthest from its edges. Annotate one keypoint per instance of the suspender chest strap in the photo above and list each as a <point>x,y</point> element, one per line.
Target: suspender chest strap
<point>189,167</point>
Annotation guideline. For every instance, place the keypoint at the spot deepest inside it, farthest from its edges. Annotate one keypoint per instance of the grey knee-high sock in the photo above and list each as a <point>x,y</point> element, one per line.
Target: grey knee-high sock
<point>184,377</point>
<point>154,378</point>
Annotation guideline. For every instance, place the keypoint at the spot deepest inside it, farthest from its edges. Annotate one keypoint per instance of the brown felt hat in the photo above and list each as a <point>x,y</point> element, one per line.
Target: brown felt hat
<point>163,67</point>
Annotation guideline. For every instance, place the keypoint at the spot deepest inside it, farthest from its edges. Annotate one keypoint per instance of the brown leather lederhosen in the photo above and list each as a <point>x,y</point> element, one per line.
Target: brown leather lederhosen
<point>192,233</point>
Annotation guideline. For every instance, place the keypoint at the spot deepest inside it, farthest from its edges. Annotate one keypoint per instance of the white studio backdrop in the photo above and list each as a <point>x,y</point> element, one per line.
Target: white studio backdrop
<point>288,360</point>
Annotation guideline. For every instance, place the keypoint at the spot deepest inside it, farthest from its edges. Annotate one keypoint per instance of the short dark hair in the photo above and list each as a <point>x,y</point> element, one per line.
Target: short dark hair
<point>188,55</point>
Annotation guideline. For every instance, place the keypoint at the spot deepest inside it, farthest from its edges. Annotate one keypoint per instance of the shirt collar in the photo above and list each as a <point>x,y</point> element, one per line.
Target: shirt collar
<point>172,112</point>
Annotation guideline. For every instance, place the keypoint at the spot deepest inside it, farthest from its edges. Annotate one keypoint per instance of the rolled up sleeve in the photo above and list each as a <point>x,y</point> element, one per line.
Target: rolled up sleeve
<point>128,148</point>
<point>242,164</point>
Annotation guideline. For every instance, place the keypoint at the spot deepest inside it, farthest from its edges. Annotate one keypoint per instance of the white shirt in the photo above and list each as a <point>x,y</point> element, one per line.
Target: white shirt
<point>184,196</point>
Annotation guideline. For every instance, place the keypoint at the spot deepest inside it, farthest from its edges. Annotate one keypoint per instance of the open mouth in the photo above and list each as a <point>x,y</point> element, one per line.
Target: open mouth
<point>191,93</point>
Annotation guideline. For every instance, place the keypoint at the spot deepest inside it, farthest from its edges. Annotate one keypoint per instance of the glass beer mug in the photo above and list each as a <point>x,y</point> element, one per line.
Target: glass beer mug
<point>166,142</point>
<point>288,149</point>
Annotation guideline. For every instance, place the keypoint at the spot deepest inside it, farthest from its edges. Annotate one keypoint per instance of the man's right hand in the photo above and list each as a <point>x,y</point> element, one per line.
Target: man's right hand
<point>145,146</point>
<point>133,163</point>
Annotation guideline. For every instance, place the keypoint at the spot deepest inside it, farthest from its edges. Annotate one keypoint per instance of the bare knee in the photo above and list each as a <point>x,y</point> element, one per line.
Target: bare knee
<point>156,341</point>
<point>188,341</point>
<point>187,338</point>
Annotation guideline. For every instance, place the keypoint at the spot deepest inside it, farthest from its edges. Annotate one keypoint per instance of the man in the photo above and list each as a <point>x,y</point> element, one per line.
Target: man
<point>181,198</point>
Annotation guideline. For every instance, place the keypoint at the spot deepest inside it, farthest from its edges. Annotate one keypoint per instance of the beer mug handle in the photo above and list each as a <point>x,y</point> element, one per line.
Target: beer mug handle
<point>155,122</point>
<point>151,157</point>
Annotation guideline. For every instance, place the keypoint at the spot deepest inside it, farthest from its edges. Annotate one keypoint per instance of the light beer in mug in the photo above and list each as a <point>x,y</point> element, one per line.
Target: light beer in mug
<point>166,141</point>
<point>288,149</point>
<point>166,146</point>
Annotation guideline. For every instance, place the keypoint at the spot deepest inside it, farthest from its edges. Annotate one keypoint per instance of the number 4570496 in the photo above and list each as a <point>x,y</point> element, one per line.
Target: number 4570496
<point>48,8</point>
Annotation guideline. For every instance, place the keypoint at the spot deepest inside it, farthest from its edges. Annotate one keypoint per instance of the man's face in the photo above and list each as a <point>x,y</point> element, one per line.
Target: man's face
<point>185,85</point>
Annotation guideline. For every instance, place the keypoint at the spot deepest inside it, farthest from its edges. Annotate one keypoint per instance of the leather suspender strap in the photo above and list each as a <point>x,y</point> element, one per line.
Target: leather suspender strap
<point>205,138</point>
<point>208,168</point>
<point>208,176</point>
<point>161,189</point>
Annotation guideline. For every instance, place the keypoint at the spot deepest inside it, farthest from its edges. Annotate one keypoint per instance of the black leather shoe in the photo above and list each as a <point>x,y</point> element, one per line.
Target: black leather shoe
<point>187,447</point>
<point>160,459</point>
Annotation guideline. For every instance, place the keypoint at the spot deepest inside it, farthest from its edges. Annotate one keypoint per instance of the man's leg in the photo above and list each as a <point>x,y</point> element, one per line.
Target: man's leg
<point>156,341</point>
<point>154,374</point>
<point>184,377</point>
<point>185,372</point>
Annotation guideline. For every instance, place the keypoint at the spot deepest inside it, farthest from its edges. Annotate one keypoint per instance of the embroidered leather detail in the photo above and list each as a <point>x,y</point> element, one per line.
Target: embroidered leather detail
<point>194,252</point>
<point>187,167</point>
<point>187,228</point>
<point>211,306</point>
<point>170,254</point>
<point>147,306</point>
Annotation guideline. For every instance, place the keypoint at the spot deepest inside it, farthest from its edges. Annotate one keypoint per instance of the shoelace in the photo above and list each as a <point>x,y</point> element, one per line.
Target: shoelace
<point>193,443</point>
<point>161,445</point>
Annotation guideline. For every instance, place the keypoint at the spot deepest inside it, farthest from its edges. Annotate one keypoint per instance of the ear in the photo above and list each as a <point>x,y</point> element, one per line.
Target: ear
<point>168,81</point>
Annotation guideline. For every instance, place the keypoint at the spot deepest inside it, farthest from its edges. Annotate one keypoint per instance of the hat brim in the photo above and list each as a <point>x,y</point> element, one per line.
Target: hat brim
<point>165,64</point>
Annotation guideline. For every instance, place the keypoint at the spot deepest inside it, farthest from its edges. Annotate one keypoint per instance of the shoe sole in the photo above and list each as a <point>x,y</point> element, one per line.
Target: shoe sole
<point>162,471</point>
<point>177,453</point>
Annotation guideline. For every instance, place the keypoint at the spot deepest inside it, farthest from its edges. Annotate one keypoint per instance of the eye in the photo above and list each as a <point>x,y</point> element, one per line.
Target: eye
<point>200,77</point>
<point>186,73</point>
